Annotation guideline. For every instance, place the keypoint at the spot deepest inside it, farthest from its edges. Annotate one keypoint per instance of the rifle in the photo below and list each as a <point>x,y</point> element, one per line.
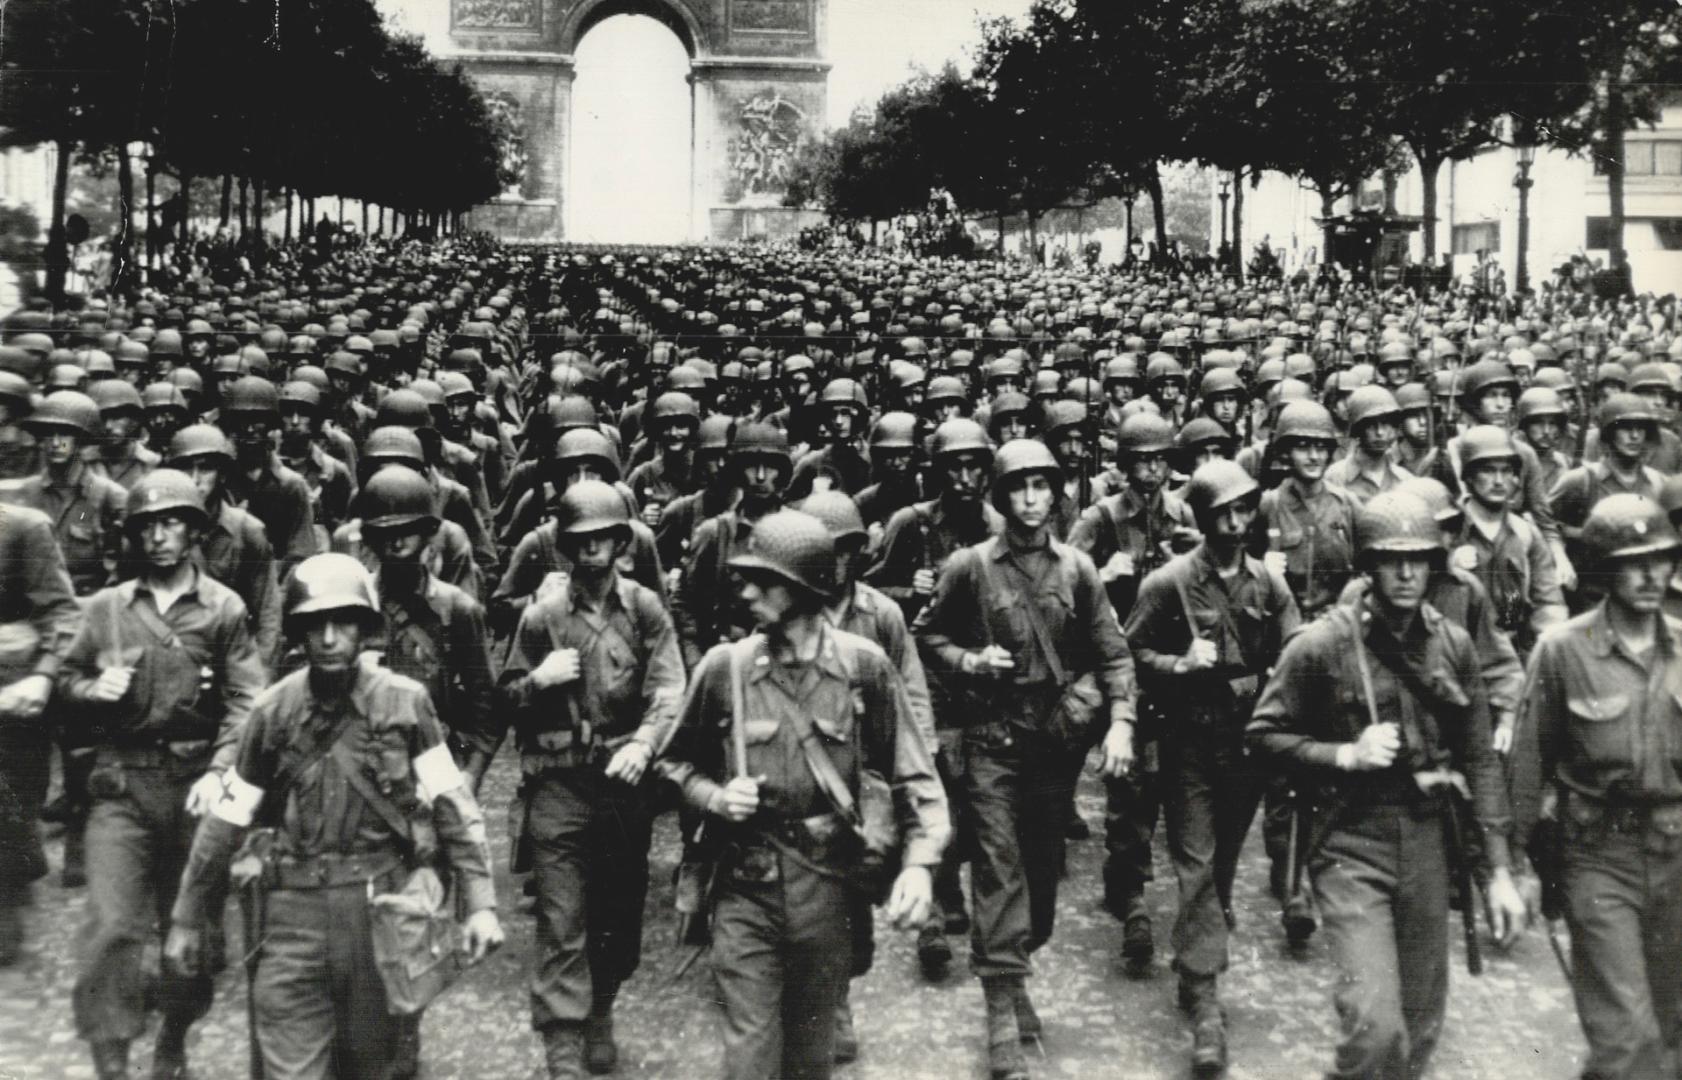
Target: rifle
<point>1457,832</point>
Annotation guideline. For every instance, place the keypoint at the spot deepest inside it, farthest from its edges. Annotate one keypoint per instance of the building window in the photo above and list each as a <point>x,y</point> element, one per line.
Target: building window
<point>1482,236</point>
<point>1648,157</point>
<point>1640,234</point>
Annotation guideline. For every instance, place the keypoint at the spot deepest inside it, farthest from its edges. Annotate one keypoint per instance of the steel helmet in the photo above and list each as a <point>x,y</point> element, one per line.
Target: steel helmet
<point>1485,442</point>
<point>1539,401</point>
<point>397,498</point>
<point>1217,483</point>
<point>188,380</point>
<point>112,395</point>
<point>454,384</point>
<point>1121,369</point>
<point>838,513</point>
<point>64,410</point>
<point>1200,431</point>
<point>1018,458</point>
<point>163,395</point>
<point>593,506</point>
<point>1160,367</point>
<point>1611,374</point>
<point>757,439</point>
<point>1144,433</point>
<point>403,408</point>
<point>586,444</point>
<point>1487,375</point>
<point>15,392</point>
<point>1368,403</point>
<point>331,582</point>
<point>252,394</point>
<point>794,546</point>
<point>1061,416</point>
<point>1650,377</point>
<point>1300,366</point>
<point>1306,420</point>
<point>301,395</point>
<point>199,440</point>
<point>715,433</point>
<point>945,388</point>
<point>567,413</point>
<point>167,343</point>
<point>1047,382</point>
<point>1412,397</point>
<point>395,443</point>
<point>1220,381</point>
<point>344,363</point>
<point>1430,491</point>
<point>1396,522</point>
<point>894,431</point>
<point>674,406</point>
<point>1624,407</point>
<point>164,491</point>
<point>959,436</point>
<point>1626,525</point>
<point>845,392</point>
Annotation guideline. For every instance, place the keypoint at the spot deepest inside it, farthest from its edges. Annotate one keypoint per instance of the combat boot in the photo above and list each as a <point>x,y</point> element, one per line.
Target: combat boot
<point>934,952</point>
<point>1138,939</point>
<point>601,1053</point>
<point>1208,1040</point>
<point>563,1051</point>
<point>110,1059</point>
<point>1298,920</point>
<point>1004,1039</point>
<point>846,1037</point>
<point>169,1053</point>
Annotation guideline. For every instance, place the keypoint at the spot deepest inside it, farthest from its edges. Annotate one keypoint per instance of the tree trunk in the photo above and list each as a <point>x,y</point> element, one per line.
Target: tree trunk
<point>382,219</point>
<point>227,198</point>
<point>1159,212</point>
<point>1429,166</point>
<point>288,223</point>
<point>58,246</point>
<point>186,210</point>
<point>1327,202</point>
<point>122,253</point>
<point>244,212</point>
<point>364,218</point>
<point>1615,122</point>
<point>257,205</point>
<point>1001,236</point>
<point>1034,238</point>
<point>151,212</point>
<point>1236,253</point>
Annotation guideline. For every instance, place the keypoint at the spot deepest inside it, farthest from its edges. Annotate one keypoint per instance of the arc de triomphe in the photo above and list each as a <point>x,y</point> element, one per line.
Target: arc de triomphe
<point>759,88</point>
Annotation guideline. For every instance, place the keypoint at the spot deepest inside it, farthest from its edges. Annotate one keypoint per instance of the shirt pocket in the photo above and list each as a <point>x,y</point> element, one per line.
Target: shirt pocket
<point>1600,727</point>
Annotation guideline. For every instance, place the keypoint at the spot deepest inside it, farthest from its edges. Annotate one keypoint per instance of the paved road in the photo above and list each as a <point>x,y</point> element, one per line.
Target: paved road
<point>1516,1021</point>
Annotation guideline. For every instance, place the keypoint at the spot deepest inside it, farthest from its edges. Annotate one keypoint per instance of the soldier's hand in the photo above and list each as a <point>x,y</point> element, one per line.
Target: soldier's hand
<point>1566,572</point>
<point>481,935</point>
<point>112,684</point>
<point>922,582</point>
<point>558,668</point>
<point>1118,751</point>
<point>993,660</point>
<point>651,514</point>
<point>739,800</point>
<point>26,698</point>
<point>913,893</point>
<point>1504,736</point>
<point>875,530</point>
<point>184,949</point>
<point>630,762</point>
<point>1377,746</point>
<point>1200,656</point>
<point>1507,911</point>
<point>674,578</point>
<point>1119,566</point>
<point>1275,561</point>
<point>205,793</point>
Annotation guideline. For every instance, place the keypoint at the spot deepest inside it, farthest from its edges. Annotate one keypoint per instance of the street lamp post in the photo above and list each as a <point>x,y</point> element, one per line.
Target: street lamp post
<point>1225,194</point>
<point>1526,158</point>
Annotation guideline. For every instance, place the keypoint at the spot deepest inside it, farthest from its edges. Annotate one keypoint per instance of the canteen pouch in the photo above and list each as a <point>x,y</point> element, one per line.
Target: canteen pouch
<point>416,942</point>
<point>1074,720</point>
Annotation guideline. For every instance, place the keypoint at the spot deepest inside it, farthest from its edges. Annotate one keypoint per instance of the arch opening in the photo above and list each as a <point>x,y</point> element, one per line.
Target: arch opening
<point>631,158</point>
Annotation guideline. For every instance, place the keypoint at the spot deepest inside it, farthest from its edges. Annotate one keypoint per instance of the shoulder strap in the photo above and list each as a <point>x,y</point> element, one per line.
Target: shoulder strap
<point>1036,626</point>
<point>306,753</point>
<point>1360,648</point>
<point>154,625</point>
<point>740,652</point>
<point>378,803</point>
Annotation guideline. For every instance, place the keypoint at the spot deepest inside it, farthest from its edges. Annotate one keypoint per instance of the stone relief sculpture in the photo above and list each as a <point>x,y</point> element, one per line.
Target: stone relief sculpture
<point>769,130</point>
<point>510,129</point>
<point>496,14</point>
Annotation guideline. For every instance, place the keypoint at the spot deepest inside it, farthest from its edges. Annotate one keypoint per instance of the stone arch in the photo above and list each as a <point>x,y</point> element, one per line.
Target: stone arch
<point>675,15</point>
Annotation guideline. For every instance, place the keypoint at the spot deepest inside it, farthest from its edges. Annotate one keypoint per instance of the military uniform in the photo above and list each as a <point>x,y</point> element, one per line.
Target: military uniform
<point>280,499</point>
<point>320,1006</point>
<point>131,464</point>
<point>537,555</point>
<point>925,536</point>
<point>435,634</point>
<point>1316,533</point>
<point>448,555</point>
<point>330,483</point>
<point>1517,571</point>
<point>234,549</point>
<point>1364,477</point>
<point>86,510</point>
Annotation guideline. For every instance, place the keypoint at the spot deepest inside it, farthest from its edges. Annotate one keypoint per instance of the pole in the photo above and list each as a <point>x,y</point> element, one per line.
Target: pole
<point>1521,276</point>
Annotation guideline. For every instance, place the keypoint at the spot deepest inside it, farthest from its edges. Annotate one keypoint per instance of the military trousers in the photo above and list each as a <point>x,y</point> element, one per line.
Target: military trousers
<point>25,753</point>
<point>1210,791</point>
<point>590,837</point>
<point>948,884</point>
<point>1623,894</point>
<point>782,952</point>
<point>1132,804</point>
<point>320,1005</point>
<point>1381,878</point>
<point>1018,785</point>
<point>137,843</point>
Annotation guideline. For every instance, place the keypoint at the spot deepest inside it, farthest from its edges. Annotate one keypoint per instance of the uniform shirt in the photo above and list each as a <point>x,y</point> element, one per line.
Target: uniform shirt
<point>1247,616</point>
<point>1577,490</point>
<point>1140,527</point>
<point>1315,702</point>
<point>1598,720</point>
<point>448,556</point>
<point>864,611</point>
<point>1517,570</point>
<point>131,465</point>
<point>209,624</point>
<point>39,616</point>
<point>86,511</point>
<point>979,600</point>
<point>452,502</point>
<point>656,483</point>
<point>436,636</point>
<point>708,610</point>
<point>882,500</point>
<point>1356,474</point>
<point>680,517</point>
<point>857,705</point>
<point>1531,497</point>
<point>1317,534</point>
<point>281,501</point>
<point>393,735</point>
<point>630,669</point>
<point>839,467</point>
<point>329,482</point>
<point>235,551</point>
<point>924,536</point>
<point>1665,455</point>
<point>538,555</point>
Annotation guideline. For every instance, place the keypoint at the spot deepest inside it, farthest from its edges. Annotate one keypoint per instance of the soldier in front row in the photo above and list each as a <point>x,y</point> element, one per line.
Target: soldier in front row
<point>315,741</point>
<point>1378,713</point>
<point>1599,755</point>
<point>592,685</point>
<point>159,682</point>
<point>776,741</point>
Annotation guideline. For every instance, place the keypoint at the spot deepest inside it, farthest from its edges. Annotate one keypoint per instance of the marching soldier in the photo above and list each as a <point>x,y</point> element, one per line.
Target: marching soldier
<point>592,682</point>
<point>1206,629</point>
<point>273,493</point>
<point>1370,467</point>
<point>1024,623</point>
<point>345,763</point>
<point>1628,430</point>
<point>1380,715</point>
<point>785,736</point>
<point>118,454</point>
<point>161,678</point>
<point>303,449</point>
